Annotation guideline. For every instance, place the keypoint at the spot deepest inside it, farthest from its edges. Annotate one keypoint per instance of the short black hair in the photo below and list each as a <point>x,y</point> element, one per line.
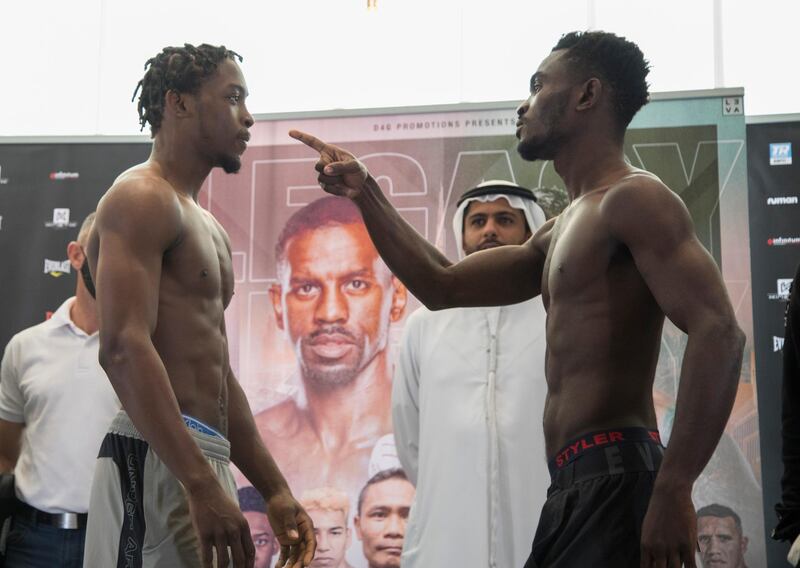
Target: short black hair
<point>330,210</point>
<point>251,500</point>
<point>181,69</point>
<point>384,475</point>
<point>617,60</point>
<point>720,512</point>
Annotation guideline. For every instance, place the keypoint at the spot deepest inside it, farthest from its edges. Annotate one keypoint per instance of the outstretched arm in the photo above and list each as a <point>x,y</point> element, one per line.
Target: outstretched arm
<point>500,276</point>
<point>655,226</point>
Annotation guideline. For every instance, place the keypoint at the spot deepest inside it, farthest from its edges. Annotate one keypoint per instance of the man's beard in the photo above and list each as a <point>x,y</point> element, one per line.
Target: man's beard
<point>330,377</point>
<point>229,164</point>
<point>532,150</point>
<point>336,373</point>
<point>341,373</point>
<point>546,146</point>
<point>482,246</point>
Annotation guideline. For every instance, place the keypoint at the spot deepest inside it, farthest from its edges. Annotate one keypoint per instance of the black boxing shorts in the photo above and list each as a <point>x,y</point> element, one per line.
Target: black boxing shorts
<point>600,488</point>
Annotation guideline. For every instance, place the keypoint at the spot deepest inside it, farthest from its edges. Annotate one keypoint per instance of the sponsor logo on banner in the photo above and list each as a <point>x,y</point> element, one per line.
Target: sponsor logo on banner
<point>57,268</point>
<point>60,220</point>
<point>784,284</point>
<point>780,154</point>
<point>777,344</point>
<point>3,180</point>
<point>788,200</point>
<point>64,175</point>
<point>783,241</point>
<point>732,105</point>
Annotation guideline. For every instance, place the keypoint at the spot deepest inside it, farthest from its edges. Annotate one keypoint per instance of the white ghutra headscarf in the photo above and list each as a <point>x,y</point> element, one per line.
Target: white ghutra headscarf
<point>517,196</point>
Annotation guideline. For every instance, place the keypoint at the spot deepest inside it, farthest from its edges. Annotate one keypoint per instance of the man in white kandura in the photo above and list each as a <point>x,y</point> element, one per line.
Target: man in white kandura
<point>467,401</point>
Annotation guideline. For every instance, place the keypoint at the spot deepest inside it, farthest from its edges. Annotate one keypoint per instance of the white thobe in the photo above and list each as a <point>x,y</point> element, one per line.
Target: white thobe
<point>467,405</point>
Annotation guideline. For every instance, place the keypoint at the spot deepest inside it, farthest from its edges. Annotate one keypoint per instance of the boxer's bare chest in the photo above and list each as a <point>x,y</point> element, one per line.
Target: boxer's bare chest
<point>200,262</point>
<point>579,253</point>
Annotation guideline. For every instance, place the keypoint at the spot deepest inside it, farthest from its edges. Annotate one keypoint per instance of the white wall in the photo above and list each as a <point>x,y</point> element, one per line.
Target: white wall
<point>70,67</point>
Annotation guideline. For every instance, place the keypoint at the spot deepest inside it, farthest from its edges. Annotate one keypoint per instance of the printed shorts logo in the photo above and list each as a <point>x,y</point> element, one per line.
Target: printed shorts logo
<point>3,180</point>
<point>57,268</point>
<point>788,200</point>
<point>783,241</point>
<point>780,154</point>
<point>784,284</point>
<point>60,219</point>
<point>777,344</point>
<point>64,175</point>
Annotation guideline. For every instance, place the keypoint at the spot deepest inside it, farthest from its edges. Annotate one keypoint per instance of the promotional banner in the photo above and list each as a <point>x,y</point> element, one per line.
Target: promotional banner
<point>315,323</point>
<point>774,181</point>
<point>423,162</point>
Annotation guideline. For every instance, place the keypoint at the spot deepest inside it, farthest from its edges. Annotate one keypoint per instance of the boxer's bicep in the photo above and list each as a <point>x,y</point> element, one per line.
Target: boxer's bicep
<point>687,285</point>
<point>655,226</point>
<point>135,227</point>
<point>495,277</point>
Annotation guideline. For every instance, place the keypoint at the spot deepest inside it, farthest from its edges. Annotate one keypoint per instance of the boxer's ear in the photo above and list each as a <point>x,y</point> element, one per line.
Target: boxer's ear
<point>590,94</point>
<point>276,295</point>
<point>399,300</point>
<point>179,105</point>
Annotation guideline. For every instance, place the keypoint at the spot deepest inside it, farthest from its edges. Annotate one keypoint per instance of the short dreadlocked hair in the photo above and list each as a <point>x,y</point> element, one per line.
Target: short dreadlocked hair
<point>617,60</point>
<point>181,69</point>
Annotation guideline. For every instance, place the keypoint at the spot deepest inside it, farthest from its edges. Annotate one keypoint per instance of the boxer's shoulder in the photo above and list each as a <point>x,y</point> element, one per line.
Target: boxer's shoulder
<point>637,192</point>
<point>543,235</point>
<point>642,206</point>
<point>140,195</point>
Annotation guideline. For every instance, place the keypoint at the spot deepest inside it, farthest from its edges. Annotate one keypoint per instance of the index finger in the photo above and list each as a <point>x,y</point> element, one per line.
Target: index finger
<point>308,140</point>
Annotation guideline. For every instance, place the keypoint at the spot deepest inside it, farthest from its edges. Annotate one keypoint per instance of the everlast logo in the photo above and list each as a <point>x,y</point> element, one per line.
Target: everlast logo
<point>56,268</point>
